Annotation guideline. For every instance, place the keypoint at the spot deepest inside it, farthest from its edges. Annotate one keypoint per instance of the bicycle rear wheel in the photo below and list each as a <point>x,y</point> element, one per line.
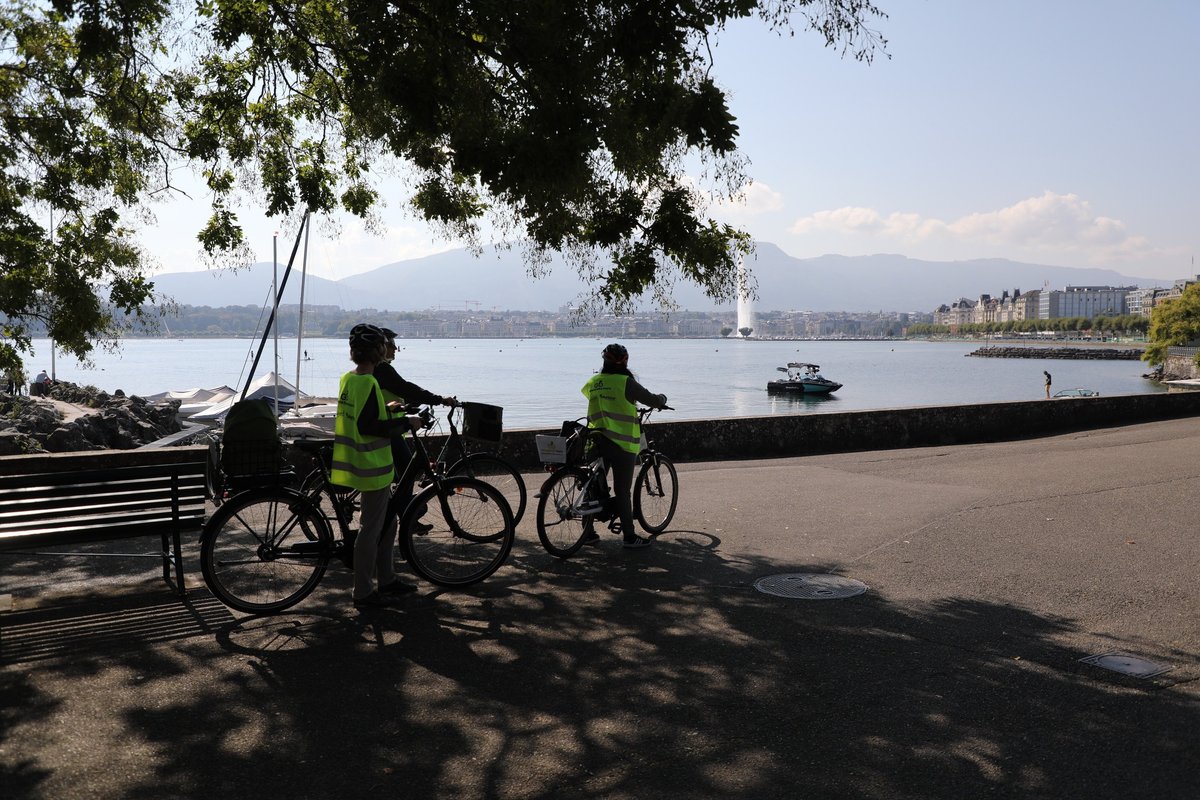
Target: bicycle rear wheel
<point>493,469</point>
<point>560,526</point>
<point>264,550</point>
<point>655,493</point>
<point>471,535</point>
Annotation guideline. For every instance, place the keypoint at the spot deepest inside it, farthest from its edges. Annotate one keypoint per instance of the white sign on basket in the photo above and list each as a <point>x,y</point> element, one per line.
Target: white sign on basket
<point>551,449</point>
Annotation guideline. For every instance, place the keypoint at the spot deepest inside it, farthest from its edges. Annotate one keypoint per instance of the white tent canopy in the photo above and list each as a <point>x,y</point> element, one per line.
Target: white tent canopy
<point>186,396</point>
<point>262,388</point>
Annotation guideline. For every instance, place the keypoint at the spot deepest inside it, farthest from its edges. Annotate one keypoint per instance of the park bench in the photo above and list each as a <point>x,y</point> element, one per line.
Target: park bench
<point>56,499</point>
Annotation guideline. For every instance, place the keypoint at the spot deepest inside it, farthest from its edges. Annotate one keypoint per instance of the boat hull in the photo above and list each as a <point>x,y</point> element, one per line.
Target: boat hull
<point>802,387</point>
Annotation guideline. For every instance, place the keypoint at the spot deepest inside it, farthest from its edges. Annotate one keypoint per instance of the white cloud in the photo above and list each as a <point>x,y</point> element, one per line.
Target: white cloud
<point>754,199</point>
<point>1048,226</point>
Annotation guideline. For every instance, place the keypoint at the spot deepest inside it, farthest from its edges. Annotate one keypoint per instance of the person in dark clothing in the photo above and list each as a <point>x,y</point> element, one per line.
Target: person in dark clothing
<point>1047,374</point>
<point>400,393</point>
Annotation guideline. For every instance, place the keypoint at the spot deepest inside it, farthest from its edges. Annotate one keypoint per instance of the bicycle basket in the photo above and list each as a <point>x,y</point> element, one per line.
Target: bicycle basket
<point>566,448</point>
<point>576,435</point>
<point>483,422</point>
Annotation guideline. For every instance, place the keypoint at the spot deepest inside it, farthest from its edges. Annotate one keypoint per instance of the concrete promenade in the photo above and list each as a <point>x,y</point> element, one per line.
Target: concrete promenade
<point>993,569</point>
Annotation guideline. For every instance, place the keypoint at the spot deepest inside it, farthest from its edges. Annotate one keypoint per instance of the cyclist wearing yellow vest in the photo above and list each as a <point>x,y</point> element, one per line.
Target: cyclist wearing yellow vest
<point>362,459</point>
<point>613,395</point>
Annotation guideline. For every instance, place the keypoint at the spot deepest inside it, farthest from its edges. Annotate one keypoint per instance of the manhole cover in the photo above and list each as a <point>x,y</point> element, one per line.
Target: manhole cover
<point>810,586</point>
<point>1127,664</point>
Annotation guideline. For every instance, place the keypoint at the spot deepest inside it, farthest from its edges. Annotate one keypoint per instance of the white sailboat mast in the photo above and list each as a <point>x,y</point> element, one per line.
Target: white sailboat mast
<point>300,323</point>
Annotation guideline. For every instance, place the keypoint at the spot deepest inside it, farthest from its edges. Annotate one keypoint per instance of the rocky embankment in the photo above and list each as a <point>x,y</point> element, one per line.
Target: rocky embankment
<point>1108,353</point>
<point>73,418</point>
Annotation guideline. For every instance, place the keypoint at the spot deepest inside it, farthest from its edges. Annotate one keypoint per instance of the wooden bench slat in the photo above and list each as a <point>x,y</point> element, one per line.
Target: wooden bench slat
<point>22,508</point>
<point>69,522</point>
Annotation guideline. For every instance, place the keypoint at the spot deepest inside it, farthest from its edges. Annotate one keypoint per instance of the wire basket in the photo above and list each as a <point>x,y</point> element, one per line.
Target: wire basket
<point>483,422</point>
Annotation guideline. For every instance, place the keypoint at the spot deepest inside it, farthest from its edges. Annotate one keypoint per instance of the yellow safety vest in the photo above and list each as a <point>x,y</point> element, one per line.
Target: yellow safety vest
<point>610,413</point>
<point>360,462</point>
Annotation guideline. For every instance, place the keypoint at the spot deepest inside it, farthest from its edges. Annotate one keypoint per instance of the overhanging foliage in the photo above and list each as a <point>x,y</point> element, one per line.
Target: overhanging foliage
<point>562,123</point>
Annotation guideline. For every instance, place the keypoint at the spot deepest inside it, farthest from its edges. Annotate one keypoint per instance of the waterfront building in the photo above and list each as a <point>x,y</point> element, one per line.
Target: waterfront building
<point>1084,301</point>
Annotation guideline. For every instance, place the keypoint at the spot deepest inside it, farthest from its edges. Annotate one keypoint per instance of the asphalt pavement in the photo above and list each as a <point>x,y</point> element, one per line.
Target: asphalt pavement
<point>1019,596</point>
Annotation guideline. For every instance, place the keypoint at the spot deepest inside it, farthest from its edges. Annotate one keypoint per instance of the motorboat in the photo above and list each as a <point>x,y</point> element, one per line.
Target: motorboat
<point>1076,393</point>
<point>802,379</point>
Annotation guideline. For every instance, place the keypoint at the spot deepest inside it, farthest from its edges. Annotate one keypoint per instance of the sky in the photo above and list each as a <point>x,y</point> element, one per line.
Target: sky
<point>1057,132</point>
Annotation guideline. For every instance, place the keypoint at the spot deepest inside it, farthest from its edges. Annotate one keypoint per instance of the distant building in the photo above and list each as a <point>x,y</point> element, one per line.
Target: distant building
<point>1084,301</point>
<point>1141,301</point>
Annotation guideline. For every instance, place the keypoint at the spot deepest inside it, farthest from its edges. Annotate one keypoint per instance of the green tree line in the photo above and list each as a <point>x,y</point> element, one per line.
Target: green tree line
<point>1127,324</point>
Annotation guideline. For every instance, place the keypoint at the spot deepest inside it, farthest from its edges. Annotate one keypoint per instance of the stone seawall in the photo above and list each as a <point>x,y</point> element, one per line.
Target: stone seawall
<point>808,434</point>
<point>1100,353</point>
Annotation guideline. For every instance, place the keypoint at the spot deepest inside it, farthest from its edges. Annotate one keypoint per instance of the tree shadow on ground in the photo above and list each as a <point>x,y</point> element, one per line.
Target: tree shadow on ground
<point>613,674</point>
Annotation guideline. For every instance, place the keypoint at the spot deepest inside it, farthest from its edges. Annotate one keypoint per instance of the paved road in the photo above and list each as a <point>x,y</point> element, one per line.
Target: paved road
<point>993,570</point>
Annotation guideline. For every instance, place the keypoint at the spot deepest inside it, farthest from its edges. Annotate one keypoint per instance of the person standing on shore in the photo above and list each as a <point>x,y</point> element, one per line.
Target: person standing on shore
<point>398,393</point>
<point>362,460</point>
<point>613,394</point>
<point>1047,374</point>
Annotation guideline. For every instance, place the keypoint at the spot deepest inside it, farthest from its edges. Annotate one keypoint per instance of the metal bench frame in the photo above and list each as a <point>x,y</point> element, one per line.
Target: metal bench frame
<point>72,498</point>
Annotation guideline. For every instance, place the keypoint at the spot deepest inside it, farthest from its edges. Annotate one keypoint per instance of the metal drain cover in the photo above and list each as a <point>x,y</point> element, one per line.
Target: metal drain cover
<point>1127,664</point>
<point>810,586</point>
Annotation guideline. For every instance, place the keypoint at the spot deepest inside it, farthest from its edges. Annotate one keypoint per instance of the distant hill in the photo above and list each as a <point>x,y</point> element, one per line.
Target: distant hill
<point>498,279</point>
<point>252,286</point>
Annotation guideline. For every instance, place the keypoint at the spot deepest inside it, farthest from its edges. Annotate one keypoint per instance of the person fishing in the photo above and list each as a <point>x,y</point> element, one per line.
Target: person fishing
<point>613,395</point>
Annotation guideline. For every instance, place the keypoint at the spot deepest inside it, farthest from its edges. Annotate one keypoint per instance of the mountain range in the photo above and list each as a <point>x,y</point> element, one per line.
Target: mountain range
<point>498,280</point>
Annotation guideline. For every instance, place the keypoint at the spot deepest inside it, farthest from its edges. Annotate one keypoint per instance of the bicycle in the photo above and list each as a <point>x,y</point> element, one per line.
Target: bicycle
<point>575,496</point>
<point>266,548</point>
<point>488,467</point>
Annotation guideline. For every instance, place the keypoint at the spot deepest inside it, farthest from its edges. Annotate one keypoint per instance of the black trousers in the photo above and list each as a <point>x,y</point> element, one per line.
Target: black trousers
<point>622,464</point>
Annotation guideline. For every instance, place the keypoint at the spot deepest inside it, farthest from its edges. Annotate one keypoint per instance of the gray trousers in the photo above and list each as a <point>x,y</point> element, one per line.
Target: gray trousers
<point>376,544</point>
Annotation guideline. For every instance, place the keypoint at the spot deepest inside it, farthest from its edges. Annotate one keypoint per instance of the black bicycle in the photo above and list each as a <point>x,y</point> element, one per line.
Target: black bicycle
<point>486,466</point>
<point>576,494</point>
<point>266,548</point>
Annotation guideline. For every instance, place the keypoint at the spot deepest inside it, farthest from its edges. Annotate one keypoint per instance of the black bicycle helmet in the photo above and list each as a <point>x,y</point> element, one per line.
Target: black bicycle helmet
<point>363,336</point>
<point>616,353</point>
<point>389,333</point>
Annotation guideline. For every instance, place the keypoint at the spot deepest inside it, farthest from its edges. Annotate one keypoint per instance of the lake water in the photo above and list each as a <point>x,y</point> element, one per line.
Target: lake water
<point>537,380</point>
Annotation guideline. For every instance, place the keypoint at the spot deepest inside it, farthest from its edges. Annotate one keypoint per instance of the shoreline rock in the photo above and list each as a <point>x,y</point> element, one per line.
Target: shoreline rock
<point>105,422</point>
<point>1106,353</point>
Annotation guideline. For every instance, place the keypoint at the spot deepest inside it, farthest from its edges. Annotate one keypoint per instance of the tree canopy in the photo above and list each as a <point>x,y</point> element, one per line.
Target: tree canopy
<point>1174,323</point>
<point>563,124</point>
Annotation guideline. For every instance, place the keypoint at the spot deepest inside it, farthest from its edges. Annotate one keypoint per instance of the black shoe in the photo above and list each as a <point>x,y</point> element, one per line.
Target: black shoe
<point>345,553</point>
<point>421,527</point>
<point>636,543</point>
<point>397,587</point>
<point>591,537</point>
<point>373,600</point>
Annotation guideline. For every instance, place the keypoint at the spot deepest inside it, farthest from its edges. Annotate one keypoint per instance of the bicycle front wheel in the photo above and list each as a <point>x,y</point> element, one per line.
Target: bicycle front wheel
<point>265,550</point>
<point>560,526</point>
<point>457,531</point>
<point>493,469</point>
<point>655,493</point>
